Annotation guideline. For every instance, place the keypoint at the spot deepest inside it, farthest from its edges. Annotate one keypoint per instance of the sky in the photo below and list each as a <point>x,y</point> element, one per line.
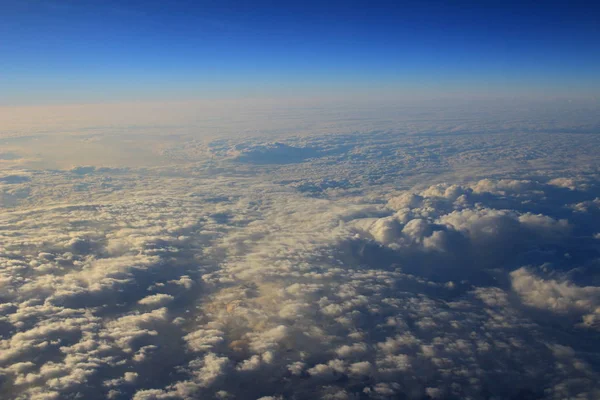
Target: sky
<point>96,51</point>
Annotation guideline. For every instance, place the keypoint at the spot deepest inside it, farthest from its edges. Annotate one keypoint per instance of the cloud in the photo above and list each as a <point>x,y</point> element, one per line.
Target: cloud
<point>156,300</point>
<point>417,264</point>
<point>270,153</point>
<point>558,296</point>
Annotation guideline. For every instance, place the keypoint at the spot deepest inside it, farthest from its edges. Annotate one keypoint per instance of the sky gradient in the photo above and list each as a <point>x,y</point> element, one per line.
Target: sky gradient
<point>88,51</point>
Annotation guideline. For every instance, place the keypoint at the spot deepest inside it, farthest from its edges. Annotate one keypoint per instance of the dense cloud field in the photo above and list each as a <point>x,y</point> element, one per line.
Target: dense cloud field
<point>410,253</point>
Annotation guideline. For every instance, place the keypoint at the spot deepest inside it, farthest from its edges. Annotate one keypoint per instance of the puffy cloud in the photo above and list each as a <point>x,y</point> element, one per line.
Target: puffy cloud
<point>557,296</point>
<point>327,266</point>
<point>156,300</point>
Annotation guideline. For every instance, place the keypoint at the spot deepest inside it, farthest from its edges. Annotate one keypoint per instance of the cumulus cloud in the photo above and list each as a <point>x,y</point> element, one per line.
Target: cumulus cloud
<point>557,296</point>
<point>156,300</point>
<point>438,263</point>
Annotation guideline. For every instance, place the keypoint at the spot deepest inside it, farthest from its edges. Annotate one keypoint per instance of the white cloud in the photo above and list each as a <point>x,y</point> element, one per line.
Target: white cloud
<point>561,297</point>
<point>322,266</point>
<point>156,300</point>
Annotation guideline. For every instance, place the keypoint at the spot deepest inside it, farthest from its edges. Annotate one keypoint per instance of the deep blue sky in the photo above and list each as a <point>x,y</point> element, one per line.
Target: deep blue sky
<point>108,50</point>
